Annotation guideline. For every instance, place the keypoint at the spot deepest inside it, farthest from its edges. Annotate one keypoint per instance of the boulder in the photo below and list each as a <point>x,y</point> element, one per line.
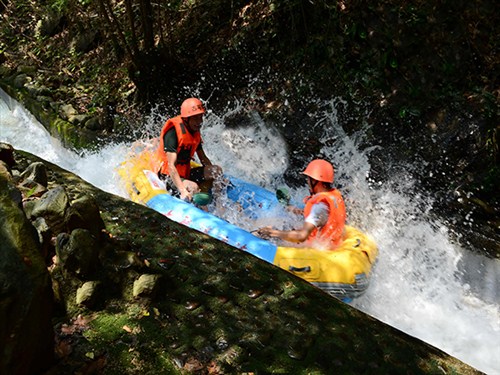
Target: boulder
<point>66,111</point>
<point>52,207</point>
<point>33,180</point>
<point>4,170</point>
<point>146,285</point>
<point>44,236</point>
<point>49,25</point>
<point>85,41</point>
<point>20,80</point>
<point>7,155</point>
<point>86,295</point>
<point>26,301</point>
<point>78,253</point>
<point>93,124</point>
<point>84,213</point>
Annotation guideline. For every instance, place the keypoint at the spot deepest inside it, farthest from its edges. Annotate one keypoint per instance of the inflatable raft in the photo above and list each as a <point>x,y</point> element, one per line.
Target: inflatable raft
<point>343,273</point>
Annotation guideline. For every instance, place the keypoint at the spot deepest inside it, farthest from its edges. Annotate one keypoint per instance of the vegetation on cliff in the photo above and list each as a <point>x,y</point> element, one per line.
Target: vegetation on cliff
<point>413,59</point>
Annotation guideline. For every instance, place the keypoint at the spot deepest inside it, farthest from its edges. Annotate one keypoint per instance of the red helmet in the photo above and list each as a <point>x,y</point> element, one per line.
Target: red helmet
<point>320,170</point>
<point>192,107</point>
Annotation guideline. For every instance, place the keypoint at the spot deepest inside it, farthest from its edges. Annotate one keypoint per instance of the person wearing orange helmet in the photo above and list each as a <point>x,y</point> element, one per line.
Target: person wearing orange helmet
<point>324,211</point>
<point>180,140</point>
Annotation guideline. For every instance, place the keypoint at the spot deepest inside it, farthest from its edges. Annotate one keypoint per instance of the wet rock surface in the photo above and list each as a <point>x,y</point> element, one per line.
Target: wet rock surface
<point>26,302</point>
<point>164,299</point>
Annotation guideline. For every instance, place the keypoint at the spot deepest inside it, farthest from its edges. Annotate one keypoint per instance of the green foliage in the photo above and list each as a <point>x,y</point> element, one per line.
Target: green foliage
<point>406,113</point>
<point>490,182</point>
<point>492,142</point>
<point>108,328</point>
<point>59,5</point>
<point>30,192</point>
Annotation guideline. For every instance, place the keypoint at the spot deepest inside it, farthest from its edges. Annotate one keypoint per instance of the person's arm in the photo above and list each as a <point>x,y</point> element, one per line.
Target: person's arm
<point>170,147</point>
<point>204,160</point>
<point>316,219</point>
<point>176,178</point>
<point>297,235</point>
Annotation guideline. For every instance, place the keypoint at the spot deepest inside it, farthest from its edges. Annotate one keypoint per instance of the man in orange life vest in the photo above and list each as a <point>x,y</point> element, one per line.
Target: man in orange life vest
<point>324,211</point>
<point>180,139</point>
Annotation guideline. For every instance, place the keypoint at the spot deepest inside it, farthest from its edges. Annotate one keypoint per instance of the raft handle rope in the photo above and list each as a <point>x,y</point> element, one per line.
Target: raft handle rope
<point>134,188</point>
<point>302,269</point>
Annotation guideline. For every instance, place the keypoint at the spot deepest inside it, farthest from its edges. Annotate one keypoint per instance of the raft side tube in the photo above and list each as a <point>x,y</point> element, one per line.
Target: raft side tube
<point>145,186</point>
<point>337,266</point>
<point>187,214</point>
<point>346,292</point>
<point>340,266</point>
<point>252,197</point>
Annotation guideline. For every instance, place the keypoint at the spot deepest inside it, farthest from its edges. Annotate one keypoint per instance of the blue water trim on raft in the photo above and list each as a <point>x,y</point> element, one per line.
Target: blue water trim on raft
<point>255,200</point>
<point>204,222</point>
<point>251,197</point>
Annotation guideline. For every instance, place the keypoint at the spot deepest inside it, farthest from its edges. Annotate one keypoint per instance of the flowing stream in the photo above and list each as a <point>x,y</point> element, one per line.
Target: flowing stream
<point>424,283</point>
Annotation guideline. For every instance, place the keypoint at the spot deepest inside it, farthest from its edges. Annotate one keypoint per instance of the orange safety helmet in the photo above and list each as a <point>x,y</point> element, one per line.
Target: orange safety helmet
<point>320,170</point>
<point>192,107</point>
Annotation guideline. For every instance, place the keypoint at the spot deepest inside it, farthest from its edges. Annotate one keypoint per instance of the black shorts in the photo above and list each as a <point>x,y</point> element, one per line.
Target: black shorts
<point>196,175</point>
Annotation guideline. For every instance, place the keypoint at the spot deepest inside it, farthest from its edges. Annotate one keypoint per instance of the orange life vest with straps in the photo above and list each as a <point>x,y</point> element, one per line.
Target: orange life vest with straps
<point>334,228</point>
<point>186,147</point>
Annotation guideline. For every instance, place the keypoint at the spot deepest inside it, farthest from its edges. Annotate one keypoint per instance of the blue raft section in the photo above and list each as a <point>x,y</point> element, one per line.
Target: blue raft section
<point>253,199</point>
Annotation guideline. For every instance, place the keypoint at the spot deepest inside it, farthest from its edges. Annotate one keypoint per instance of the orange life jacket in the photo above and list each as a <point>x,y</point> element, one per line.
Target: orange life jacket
<point>186,147</point>
<point>334,228</point>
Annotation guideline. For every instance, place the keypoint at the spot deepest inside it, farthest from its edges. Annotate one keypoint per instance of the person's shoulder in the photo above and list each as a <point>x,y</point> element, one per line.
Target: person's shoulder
<point>321,205</point>
<point>172,123</point>
<point>175,119</point>
<point>170,140</point>
<point>337,193</point>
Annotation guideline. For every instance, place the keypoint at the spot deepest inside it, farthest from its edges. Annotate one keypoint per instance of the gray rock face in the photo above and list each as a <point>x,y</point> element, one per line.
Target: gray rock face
<point>78,252</point>
<point>146,285</point>
<point>35,172</point>
<point>26,333</point>
<point>84,213</point>
<point>86,295</point>
<point>52,207</point>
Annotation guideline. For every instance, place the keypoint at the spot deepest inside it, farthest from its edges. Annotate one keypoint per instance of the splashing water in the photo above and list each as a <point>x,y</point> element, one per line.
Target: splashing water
<point>423,283</point>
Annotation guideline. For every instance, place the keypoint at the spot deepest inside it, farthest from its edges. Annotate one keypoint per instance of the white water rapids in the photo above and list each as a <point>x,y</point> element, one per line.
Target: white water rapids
<point>423,283</point>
